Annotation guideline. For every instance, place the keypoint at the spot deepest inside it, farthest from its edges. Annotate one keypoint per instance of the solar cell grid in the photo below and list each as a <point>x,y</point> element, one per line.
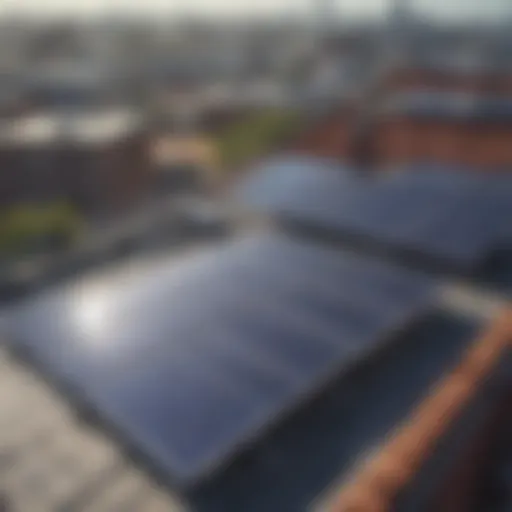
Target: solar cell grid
<point>351,323</point>
<point>382,207</point>
<point>326,305</point>
<point>230,343</point>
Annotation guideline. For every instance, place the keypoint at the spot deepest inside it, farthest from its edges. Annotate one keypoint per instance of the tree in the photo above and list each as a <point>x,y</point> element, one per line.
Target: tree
<point>35,228</point>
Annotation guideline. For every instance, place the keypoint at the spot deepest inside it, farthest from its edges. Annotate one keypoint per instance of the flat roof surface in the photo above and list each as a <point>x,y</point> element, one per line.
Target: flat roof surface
<point>463,106</point>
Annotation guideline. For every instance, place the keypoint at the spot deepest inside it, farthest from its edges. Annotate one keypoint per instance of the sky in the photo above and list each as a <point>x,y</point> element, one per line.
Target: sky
<point>472,9</point>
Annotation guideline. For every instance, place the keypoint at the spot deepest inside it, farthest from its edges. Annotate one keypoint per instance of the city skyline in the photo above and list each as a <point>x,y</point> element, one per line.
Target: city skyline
<point>455,9</point>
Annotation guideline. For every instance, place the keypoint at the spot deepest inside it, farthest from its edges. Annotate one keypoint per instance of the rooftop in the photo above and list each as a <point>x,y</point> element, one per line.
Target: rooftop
<point>284,369</point>
<point>69,127</point>
<point>430,103</point>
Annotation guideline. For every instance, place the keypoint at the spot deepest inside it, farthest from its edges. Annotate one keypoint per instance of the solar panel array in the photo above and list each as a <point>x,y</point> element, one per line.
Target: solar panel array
<point>192,361</point>
<point>453,217</point>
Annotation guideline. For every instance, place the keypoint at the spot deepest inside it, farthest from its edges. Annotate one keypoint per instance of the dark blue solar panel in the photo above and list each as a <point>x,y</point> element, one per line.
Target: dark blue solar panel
<point>498,199</point>
<point>279,179</point>
<point>456,217</point>
<point>191,361</point>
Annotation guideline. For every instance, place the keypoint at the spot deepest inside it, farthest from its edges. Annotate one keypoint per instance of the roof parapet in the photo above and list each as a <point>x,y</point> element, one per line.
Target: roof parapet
<point>379,480</point>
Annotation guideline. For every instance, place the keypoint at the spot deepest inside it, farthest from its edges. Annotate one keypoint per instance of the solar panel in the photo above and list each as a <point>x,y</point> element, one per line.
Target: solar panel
<point>289,176</point>
<point>455,218</point>
<point>498,199</point>
<point>191,362</point>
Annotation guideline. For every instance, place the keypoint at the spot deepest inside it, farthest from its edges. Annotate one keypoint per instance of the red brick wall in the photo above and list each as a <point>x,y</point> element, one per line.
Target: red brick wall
<point>129,171</point>
<point>96,177</point>
<point>485,145</point>
<point>404,140</point>
<point>329,139</point>
<point>400,141</point>
<point>489,145</point>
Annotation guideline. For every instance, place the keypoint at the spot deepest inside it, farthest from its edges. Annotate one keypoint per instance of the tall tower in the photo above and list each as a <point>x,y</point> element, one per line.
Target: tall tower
<point>326,14</point>
<point>396,47</point>
<point>399,16</point>
<point>399,10</point>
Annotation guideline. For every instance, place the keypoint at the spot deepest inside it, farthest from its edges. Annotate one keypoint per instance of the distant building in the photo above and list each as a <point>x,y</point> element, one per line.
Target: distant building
<point>185,163</point>
<point>422,124</point>
<point>327,15</point>
<point>456,128</point>
<point>12,93</point>
<point>68,84</point>
<point>449,101</point>
<point>477,65</point>
<point>97,160</point>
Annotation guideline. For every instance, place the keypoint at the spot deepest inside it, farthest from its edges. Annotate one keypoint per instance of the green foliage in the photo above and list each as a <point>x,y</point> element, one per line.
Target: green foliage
<point>28,228</point>
<point>254,136</point>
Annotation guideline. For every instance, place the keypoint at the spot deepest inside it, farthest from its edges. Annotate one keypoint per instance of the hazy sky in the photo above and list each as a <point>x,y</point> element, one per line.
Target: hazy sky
<point>451,8</point>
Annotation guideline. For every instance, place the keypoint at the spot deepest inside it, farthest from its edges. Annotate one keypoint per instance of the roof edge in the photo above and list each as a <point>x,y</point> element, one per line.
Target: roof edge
<point>377,482</point>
